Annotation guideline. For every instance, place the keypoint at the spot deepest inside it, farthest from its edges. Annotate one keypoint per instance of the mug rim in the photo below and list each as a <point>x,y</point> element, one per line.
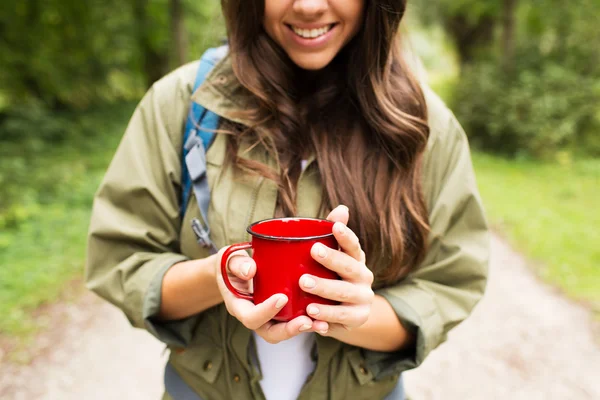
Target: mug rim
<point>287,238</point>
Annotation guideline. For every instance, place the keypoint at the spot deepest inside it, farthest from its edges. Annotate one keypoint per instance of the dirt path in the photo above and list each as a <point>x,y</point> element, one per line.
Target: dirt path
<point>91,357</point>
<point>524,341</point>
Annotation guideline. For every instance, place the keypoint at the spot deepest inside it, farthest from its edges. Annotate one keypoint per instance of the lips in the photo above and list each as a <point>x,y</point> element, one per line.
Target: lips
<point>311,37</point>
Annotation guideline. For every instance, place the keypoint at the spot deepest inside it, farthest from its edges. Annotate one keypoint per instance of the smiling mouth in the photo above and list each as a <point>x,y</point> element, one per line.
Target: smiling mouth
<point>311,33</point>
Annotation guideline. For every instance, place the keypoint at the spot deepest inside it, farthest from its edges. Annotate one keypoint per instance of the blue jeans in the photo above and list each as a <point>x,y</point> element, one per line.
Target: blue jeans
<point>179,390</point>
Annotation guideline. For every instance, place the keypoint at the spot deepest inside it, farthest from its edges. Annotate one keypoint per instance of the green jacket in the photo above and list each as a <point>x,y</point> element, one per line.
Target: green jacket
<point>136,235</point>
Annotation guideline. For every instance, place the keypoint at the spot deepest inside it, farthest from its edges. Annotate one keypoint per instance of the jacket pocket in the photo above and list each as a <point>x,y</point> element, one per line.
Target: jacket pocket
<point>203,360</point>
<point>362,384</point>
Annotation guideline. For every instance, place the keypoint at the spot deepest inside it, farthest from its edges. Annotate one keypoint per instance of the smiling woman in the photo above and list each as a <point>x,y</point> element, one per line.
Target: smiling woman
<point>319,117</point>
<point>313,32</point>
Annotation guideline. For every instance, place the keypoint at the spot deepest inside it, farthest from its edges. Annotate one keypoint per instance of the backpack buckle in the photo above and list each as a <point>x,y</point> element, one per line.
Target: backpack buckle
<point>202,234</point>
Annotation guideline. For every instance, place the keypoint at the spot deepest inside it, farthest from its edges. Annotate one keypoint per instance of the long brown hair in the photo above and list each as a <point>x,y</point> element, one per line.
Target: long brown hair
<point>364,118</point>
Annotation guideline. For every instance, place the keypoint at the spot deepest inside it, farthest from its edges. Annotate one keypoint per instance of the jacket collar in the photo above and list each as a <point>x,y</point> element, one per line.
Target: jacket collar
<point>222,93</point>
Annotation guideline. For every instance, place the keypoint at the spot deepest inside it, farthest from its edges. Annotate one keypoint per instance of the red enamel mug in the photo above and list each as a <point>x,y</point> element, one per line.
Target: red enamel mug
<point>281,250</point>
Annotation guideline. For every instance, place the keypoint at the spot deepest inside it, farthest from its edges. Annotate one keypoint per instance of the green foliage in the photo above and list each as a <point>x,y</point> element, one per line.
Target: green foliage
<point>549,212</point>
<point>43,228</point>
<point>434,11</point>
<point>75,55</point>
<point>470,24</point>
<point>41,256</point>
<point>205,25</point>
<point>64,52</point>
<point>36,170</point>
<point>64,64</point>
<point>434,50</point>
<point>536,113</point>
<point>543,98</point>
<point>63,58</point>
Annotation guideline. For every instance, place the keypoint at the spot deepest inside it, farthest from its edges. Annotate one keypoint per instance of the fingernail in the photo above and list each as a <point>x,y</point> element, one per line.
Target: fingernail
<point>347,209</point>
<point>281,302</point>
<point>305,327</point>
<point>321,251</point>
<point>246,268</point>
<point>308,282</point>
<point>312,310</point>
<point>323,332</point>
<point>340,228</point>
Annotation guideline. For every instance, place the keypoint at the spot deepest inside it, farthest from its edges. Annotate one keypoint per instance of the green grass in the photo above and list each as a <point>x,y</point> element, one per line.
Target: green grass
<point>551,213</point>
<point>42,242</point>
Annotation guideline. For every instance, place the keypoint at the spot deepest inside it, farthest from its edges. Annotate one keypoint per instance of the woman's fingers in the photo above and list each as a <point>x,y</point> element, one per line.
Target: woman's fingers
<point>275,332</point>
<point>339,214</point>
<point>255,316</point>
<point>348,241</point>
<point>322,327</point>
<point>346,238</point>
<point>349,316</point>
<point>258,317</point>
<point>242,266</point>
<point>326,329</point>
<point>344,292</point>
<point>343,264</point>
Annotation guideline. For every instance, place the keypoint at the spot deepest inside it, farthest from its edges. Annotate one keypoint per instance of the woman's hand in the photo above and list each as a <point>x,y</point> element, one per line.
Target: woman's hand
<point>241,269</point>
<point>353,291</point>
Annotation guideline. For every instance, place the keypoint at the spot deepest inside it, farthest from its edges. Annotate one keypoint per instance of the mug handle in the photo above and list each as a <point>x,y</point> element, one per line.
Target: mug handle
<point>225,260</point>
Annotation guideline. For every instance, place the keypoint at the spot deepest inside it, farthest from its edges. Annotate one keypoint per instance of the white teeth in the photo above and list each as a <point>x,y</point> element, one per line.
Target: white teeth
<point>311,33</point>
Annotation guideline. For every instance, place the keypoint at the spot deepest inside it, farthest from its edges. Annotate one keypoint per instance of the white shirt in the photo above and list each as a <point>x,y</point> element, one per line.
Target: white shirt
<point>285,366</point>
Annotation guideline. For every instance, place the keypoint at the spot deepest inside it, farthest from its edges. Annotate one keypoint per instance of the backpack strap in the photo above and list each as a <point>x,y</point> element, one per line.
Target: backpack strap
<point>198,136</point>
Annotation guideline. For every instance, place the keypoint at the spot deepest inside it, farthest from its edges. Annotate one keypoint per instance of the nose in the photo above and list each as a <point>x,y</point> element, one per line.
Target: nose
<point>310,7</point>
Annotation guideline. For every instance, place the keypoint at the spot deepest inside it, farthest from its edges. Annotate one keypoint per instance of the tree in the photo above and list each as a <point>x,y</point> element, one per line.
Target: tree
<point>178,32</point>
<point>536,91</point>
<point>73,55</point>
<point>62,53</point>
<point>469,23</point>
<point>154,60</point>
<point>508,32</point>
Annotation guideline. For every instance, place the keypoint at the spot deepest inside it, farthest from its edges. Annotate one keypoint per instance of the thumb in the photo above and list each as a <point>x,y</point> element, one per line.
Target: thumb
<point>339,214</point>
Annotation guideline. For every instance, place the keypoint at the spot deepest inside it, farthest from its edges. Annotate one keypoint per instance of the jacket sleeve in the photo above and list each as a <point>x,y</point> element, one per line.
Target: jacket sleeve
<point>134,229</point>
<point>445,288</point>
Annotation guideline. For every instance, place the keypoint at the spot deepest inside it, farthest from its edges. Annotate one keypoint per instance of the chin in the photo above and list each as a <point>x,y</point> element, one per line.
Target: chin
<point>312,63</point>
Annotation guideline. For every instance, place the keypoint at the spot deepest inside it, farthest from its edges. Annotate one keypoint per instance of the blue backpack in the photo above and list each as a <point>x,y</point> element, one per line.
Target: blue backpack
<point>198,136</point>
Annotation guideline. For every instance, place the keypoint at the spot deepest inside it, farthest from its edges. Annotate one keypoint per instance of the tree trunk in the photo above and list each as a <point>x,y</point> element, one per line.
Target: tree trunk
<point>469,37</point>
<point>178,33</point>
<point>29,78</point>
<point>508,33</point>
<point>154,63</point>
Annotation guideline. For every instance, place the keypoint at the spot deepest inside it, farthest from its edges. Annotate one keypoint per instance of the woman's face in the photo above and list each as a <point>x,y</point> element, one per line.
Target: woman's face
<point>312,32</point>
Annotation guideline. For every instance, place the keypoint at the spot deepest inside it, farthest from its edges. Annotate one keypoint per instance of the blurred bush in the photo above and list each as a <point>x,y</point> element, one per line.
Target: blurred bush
<point>74,55</point>
<point>66,66</point>
<point>65,53</point>
<point>51,165</point>
<point>538,112</point>
<point>530,74</point>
